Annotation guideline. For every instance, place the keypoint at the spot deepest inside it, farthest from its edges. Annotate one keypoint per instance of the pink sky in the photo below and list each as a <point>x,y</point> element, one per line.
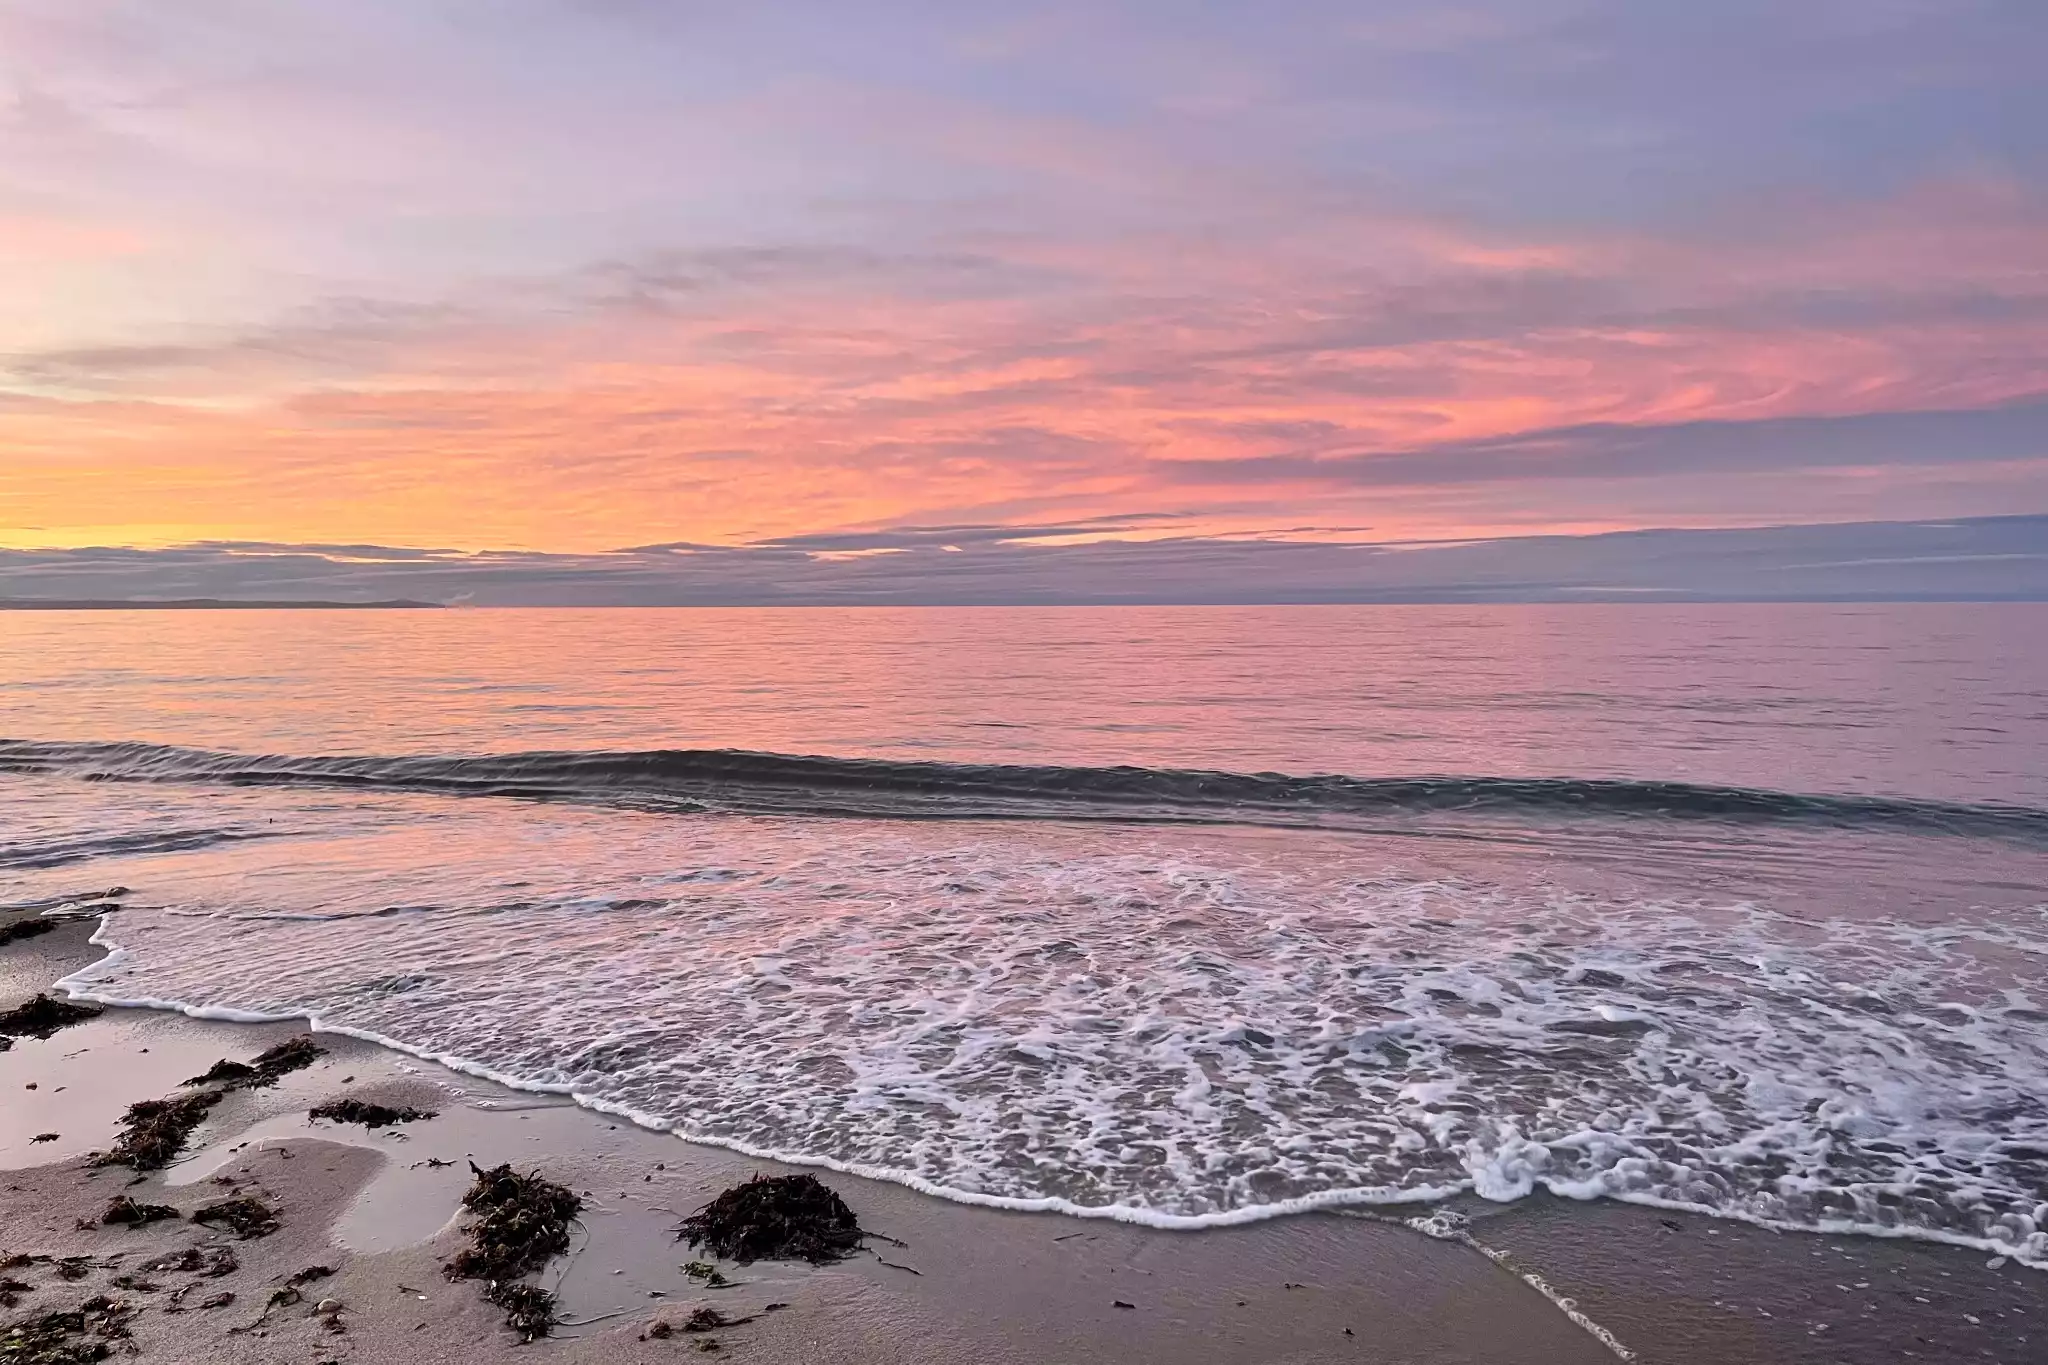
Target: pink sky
<point>593,277</point>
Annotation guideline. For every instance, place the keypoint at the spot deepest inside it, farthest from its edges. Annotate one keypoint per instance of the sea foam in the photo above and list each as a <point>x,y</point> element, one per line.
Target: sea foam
<point>1176,1026</point>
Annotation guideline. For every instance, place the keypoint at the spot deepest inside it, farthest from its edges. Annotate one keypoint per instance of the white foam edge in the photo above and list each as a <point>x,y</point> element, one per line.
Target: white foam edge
<point>79,989</point>
<point>1430,1226</point>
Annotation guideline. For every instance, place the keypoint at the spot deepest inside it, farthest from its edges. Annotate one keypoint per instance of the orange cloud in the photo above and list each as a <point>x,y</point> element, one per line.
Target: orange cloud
<point>724,397</point>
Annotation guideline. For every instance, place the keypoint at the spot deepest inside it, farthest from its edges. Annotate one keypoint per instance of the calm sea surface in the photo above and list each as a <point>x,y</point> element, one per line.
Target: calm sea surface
<point>1182,915</point>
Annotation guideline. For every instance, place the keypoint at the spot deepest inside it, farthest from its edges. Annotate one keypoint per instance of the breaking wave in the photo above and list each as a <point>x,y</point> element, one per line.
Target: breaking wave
<point>741,780</point>
<point>58,853</point>
<point>1176,1025</point>
<point>1175,997</point>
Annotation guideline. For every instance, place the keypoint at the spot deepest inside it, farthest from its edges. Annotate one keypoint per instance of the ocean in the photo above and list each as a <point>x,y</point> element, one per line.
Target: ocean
<point>1184,916</point>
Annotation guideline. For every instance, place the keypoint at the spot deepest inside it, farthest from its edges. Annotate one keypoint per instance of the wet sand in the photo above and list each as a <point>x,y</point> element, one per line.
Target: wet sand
<point>968,1284</point>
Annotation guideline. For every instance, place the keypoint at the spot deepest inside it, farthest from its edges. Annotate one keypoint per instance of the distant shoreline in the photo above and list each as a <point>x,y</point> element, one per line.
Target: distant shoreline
<point>202,604</point>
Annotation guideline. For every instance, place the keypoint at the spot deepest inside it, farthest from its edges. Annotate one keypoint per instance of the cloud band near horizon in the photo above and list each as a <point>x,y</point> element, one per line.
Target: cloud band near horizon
<point>1985,559</point>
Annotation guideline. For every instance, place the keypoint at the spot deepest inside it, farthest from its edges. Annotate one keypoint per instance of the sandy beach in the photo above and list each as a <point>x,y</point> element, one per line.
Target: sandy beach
<point>381,1210</point>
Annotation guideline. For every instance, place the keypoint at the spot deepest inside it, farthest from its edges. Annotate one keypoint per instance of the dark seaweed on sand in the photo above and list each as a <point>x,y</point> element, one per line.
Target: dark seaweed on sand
<point>210,1261</point>
<point>271,1064</point>
<point>243,1215</point>
<point>24,929</point>
<point>293,1054</point>
<point>121,1209</point>
<point>523,1222</point>
<point>369,1115</point>
<point>776,1218</point>
<point>225,1072</point>
<point>79,1337</point>
<point>43,1016</point>
<point>529,1309</point>
<point>710,1320</point>
<point>154,1131</point>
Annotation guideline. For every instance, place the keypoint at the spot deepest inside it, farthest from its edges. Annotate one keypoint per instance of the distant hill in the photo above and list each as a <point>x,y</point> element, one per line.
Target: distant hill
<point>1978,559</point>
<point>201,604</point>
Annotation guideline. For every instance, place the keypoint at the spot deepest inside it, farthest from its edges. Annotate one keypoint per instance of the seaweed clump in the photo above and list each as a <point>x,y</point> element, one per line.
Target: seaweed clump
<point>154,1131</point>
<point>225,1072</point>
<point>523,1222</point>
<point>243,1215</point>
<point>710,1320</point>
<point>43,1016</point>
<point>776,1218</point>
<point>210,1261</point>
<point>529,1309</point>
<point>266,1069</point>
<point>121,1209</point>
<point>79,1337</point>
<point>369,1115</point>
<point>291,1292</point>
<point>24,929</point>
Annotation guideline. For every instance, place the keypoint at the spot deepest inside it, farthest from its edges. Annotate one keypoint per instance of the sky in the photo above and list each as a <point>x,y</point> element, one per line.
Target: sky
<point>568,277</point>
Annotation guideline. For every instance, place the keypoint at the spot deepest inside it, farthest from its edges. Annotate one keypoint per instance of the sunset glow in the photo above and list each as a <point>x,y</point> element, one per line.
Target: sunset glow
<point>583,276</point>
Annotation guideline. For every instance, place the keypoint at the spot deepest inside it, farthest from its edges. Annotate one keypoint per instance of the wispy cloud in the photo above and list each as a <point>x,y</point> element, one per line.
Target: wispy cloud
<point>1872,441</point>
<point>605,273</point>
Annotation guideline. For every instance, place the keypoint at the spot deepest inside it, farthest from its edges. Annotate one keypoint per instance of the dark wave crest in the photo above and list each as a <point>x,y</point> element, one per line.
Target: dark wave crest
<point>59,853</point>
<point>739,780</point>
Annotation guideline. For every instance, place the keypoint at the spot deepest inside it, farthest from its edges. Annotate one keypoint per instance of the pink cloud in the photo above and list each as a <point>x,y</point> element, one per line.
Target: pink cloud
<point>741,394</point>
